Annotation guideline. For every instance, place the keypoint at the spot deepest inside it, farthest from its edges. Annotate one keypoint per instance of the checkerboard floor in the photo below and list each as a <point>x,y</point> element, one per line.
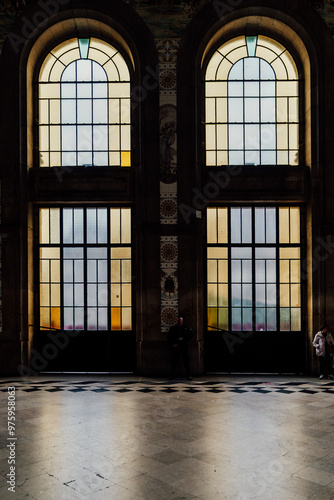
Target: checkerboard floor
<point>84,436</point>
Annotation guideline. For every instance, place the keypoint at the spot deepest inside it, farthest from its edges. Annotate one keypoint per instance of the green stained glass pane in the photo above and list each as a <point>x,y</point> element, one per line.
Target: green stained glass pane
<point>251,45</point>
<point>83,47</point>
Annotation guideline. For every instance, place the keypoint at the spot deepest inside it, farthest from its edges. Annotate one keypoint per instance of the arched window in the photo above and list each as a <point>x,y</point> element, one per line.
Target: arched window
<point>252,104</point>
<point>84,106</point>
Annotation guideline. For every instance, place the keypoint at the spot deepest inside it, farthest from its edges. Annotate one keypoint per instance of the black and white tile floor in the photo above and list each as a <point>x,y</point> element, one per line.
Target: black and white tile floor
<point>134,438</point>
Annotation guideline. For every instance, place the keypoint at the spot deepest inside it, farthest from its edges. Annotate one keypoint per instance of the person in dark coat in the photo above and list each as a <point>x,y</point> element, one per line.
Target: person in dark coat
<point>178,338</point>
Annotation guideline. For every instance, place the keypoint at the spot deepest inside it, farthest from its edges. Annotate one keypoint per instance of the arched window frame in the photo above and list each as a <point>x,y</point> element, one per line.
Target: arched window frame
<point>218,119</point>
<point>116,150</point>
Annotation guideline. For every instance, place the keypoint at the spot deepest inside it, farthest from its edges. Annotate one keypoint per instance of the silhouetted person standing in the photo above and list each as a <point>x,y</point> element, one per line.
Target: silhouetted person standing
<point>178,338</point>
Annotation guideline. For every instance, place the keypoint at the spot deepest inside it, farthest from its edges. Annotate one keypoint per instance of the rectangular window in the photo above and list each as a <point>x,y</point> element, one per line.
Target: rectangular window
<point>85,268</point>
<point>253,268</point>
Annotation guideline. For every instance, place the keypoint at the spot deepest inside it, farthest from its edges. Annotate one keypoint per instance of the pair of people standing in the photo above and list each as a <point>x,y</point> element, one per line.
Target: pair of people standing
<point>324,349</point>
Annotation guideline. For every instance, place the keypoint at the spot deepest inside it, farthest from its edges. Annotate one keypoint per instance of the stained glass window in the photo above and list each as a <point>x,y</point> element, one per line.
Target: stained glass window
<point>251,104</point>
<point>84,106</point>
<point>85,268</point>
<point>253,268</point>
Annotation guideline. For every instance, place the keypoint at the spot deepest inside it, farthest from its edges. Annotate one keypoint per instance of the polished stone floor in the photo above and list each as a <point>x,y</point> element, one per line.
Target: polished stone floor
<point>102,437</point>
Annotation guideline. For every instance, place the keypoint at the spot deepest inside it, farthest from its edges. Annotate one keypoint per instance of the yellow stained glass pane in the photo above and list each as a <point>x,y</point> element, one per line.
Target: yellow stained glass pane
<point>44,73</point>
<point>295,319</point>
<point>44,227</point>
<point>284,295</point>
<point>232,44</point>
<point>115,318</point>
<point>55,112</point>
<point>125,225</point>
<point>49,253</point>
<point>125,159</point>
<point>44,318</point>
<point>295,271</point>
<point>233,57</point>
<point>70,44</point>
<point>211,158</point>
<point>210,137</point>
<point>120,253</point>
<point>114,110</point>
<point>284,271</point>
<point>98,56</point>
<point>96,43</point>
<point>282,109</point>
<point>282,158</point>
<point>210,110</point>
<point>216,89</point>
<point>114,137</point>
<point>114,158</point>
<point>212,299</point>
<point>211,223</point>
<point>43,138</point>
<point>49,90</point>
<point>222,158</point>
<point>115,226</point>
<point>43,111</point>
<point>293,157</point>
<point>222,137</point>
<point>223,295</point>
<point>55,295</point>
<point>125,111</point>
<point>55,317</point>
<point>281,74</point>
<point>119,89</point>
<point>122,67</point>
<point>44,291</point>
<point>293,136</point>
<point>212,271</point>
<point>213,65</point>
<point>287,89</point>
<point>282,136</point>
<point>115,271</point>
<point>222,271</point>
<point>293,109</point>
<point>217,253</point>
<point>223,318</point>
<point>126,271</point>
<point>290,65</point>
<point>56,72</point>
<point>294,225</point>
<point>221,104</point>
<point>284,225</point>
<point>265,53</point>
<point>212,318</point>
<point>55,159</point>
<point>289,253</point>
<point>43,160</point>
<point>54,225</point>
<point>126,294</point>
<point>222,74</point>
<point>125,139</point>
<point>44,271</point>
<point>126,318</point>
<point>55,271</point>
<point>222,225</point>
<point>115,295</point>
<point>295,295</point>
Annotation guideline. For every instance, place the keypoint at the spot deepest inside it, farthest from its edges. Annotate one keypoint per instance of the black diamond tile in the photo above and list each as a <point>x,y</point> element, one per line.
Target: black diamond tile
<point>79,389</point>
<point>214,390</point>
<point>100,389</point>
<point>308,391</point>
<point>261,391</point>
<point>191,389</point>
<point>146,389</point>
<point>169,389</point>
<point>123,390</point>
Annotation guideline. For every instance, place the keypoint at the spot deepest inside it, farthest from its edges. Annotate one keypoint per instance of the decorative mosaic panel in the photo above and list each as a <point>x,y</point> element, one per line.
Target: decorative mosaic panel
<point>168,281</point>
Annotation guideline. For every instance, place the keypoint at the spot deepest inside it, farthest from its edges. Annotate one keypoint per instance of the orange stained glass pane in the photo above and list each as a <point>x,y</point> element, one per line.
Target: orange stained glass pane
<point>55,317</point>
<point>212,318</point>
<point>115,318</point>
<point>125,159</point>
